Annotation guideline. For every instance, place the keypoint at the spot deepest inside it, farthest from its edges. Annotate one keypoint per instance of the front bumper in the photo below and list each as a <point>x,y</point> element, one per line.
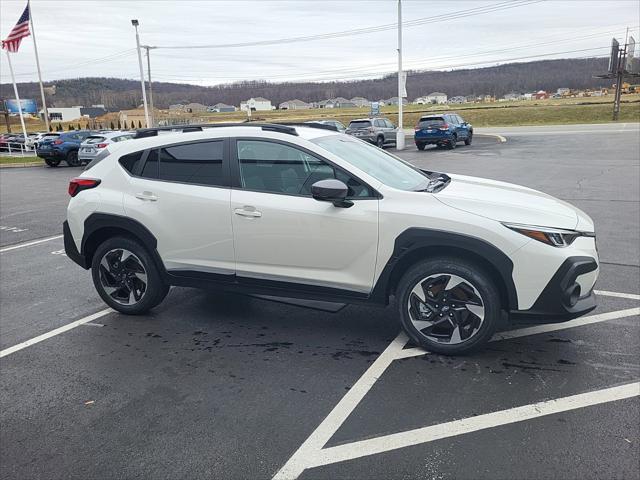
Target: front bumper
<point>563,298</point>
<point>70,247</point>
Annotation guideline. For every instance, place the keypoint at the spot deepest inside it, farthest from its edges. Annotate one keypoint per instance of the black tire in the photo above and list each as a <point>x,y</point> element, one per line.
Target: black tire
<point>452,143</point>
<point>477,329</point>
<point>154,291</point>
<point>52,162</point>
<point>72,159</point>
<point>380,142</point>
<point>421,146</point>
<point>469,139</point>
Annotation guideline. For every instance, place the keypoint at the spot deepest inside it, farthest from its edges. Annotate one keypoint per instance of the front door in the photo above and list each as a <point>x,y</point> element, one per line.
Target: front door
<point>181,194</point>
<point>282,234</point>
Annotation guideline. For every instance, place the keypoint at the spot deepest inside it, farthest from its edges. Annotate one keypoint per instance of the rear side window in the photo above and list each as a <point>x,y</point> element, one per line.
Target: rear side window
<point>379,123</point>
<point>199,163</point>
<point>131,161</point>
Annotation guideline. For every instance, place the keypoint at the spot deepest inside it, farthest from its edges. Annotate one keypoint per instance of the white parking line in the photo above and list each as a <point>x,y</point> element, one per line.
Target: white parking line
<point>472,424</point>
<point>53,333</point>
<point>606,293</point>
<point>312,449</point>
<point>28,244</point>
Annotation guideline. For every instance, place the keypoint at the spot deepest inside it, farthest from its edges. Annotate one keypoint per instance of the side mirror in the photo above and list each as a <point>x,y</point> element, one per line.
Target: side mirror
<point>331,190</point>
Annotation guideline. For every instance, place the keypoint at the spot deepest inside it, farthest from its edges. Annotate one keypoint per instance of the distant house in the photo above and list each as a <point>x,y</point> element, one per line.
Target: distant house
<point>437,97</point>
<point>564,92</point>
<point>66,114</point>
<point>221,107</point>
<point>360,102</point>
<point>458,99</point>
<point>338,102</point>
<point>294,105</point>
<point>176,107</point>
<point>394,101</point>
<point>195,108</point>
<point>512,97</point>
<point>256,104</point>
<point>541,95</point>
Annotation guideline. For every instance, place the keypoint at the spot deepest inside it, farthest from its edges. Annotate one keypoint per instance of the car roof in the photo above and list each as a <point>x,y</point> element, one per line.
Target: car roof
<point>306,133</point>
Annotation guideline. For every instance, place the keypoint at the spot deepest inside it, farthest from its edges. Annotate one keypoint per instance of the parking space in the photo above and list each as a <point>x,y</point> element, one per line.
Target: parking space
<point>225,386</point>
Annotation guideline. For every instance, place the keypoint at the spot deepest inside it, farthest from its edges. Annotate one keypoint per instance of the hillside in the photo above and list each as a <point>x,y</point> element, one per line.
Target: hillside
<point>119,94</point>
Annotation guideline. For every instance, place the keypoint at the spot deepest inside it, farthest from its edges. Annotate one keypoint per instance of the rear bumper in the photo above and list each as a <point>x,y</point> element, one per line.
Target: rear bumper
<point>563,298</point>
<point>70,247</point>
<point>50,154</point>
<point>423,139</point>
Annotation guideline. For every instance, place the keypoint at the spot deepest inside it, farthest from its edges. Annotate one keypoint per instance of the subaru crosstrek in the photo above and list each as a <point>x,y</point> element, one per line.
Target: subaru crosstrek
<point>307,212</point>
<point>442,130</point>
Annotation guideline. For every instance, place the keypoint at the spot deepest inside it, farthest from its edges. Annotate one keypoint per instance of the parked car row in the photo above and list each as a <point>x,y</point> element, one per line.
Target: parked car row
<point>77,147</point>
<point>443,130</point>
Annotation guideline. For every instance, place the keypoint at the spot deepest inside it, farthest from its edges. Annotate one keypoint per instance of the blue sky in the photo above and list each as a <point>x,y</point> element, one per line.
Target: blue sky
<point>95,38</point>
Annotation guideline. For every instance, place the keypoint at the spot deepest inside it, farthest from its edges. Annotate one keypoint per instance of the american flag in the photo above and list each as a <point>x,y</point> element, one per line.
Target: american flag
<point>21,30</point>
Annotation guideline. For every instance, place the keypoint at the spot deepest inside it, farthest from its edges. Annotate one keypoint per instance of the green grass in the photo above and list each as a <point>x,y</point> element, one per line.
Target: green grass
<point>9,160</point>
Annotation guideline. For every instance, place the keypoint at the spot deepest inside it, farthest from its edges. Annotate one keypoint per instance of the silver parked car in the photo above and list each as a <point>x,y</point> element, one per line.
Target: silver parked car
<point>95,146</point>
<point>334,123</point>
<point>376,130</point>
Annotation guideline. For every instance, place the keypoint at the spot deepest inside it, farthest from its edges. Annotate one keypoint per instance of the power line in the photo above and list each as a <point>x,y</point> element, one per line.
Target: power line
<point>362,31</point>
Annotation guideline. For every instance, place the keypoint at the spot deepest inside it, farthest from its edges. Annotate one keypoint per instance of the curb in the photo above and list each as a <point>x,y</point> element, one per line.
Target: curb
<point>500,138</point>
<point>21,165</point>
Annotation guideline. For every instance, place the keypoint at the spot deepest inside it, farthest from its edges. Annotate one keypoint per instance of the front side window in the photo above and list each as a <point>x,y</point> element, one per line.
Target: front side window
<point>384,167</point>
<point>278,168</point>
<point>379,123</point>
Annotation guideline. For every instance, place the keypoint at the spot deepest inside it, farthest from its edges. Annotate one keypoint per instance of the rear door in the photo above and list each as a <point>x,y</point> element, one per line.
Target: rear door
<point>181,193</point>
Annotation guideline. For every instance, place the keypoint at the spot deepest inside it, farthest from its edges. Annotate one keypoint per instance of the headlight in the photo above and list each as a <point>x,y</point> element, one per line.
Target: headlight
<point>556,237</point>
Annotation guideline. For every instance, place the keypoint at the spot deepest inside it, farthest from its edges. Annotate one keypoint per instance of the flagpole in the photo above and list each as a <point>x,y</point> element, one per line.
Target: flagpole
<point>35,48</point>
<point>15,90</point>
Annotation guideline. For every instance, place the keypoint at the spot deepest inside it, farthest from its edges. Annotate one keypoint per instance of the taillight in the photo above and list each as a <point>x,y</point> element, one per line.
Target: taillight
<point>444,127</point>
<point>78,184</point>
<point>57,142</point>
<point>102,145</point>
<point>417,128</point>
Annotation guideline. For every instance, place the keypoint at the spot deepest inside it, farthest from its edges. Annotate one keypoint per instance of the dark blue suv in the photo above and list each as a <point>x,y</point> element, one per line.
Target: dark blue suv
<point>442,130</point>
<point>53,149</point>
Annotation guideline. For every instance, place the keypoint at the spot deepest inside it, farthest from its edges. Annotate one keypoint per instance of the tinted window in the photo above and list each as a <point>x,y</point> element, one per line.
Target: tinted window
<point>193,163</point>
<point>360,124</point>
<point>278,168</point>
<point>131,161</point>
<point>431,121</point>
<point>96,139</point>
<point>389,124</point>
<point>379,123</point>
<point>150,169</point>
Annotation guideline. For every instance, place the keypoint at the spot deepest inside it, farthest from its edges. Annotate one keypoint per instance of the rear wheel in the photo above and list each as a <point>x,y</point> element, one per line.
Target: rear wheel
<point>467,141</point>
<point>380,141</point>
<point>448,305</point>
<point>420,146</point>
<point>52,162</point>
<point>72,159</point>
<point>126,277</point>
<point>452,142</point>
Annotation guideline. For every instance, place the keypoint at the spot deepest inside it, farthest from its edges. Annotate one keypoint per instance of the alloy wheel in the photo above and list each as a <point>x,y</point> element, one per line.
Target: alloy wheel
<point>122,276</point>
<point>446,308</point>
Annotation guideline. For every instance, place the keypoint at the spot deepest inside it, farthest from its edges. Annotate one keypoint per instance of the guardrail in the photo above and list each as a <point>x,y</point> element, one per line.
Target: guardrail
<point>17,149</point>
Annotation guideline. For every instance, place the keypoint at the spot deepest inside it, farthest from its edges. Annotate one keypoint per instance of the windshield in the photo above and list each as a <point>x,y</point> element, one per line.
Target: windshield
<point>381,165</point>
<point>360,124</point>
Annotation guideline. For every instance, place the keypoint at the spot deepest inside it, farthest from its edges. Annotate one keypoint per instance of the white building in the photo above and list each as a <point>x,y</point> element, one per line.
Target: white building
<point>360,102</point>
<point>437,97</point>
<point>256,104</point>
<point>63,114</point>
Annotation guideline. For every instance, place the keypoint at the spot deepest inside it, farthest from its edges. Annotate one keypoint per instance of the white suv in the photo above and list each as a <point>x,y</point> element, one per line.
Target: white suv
<point>307,212</point>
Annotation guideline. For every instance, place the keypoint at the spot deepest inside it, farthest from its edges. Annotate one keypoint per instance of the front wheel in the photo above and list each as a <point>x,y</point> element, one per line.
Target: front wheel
<point>72,159</point>
<point>126,277</point>
<point>467,141</point>
<point>448,305</point>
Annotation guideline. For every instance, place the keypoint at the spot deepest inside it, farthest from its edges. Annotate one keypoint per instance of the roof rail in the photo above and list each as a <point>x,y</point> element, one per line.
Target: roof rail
<point>272,127</point>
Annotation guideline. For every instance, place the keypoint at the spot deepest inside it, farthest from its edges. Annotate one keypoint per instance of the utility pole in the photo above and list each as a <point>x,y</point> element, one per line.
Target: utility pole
<point>35,48</point>
<point>151,113</point>
<point>135,24</point>
<point>400,132</point>
<point>619,80</point>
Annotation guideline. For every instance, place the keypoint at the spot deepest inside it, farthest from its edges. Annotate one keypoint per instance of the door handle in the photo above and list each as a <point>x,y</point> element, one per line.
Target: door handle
<point>249,212</point>
<point>146,196</point>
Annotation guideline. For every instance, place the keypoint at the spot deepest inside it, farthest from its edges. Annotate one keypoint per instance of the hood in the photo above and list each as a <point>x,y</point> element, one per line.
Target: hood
<point>506,202</point>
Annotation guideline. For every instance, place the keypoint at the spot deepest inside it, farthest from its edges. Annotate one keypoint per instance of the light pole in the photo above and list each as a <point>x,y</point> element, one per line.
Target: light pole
<point>135,24</point>
<point>400,132</point>
<point>151,111</point>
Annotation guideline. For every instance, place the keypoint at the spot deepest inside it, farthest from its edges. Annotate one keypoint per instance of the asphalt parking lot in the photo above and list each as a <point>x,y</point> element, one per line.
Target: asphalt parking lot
<point>225,386</point>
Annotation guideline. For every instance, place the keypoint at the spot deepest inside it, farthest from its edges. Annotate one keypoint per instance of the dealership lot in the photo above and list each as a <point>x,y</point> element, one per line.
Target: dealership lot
<point>228,386</point>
